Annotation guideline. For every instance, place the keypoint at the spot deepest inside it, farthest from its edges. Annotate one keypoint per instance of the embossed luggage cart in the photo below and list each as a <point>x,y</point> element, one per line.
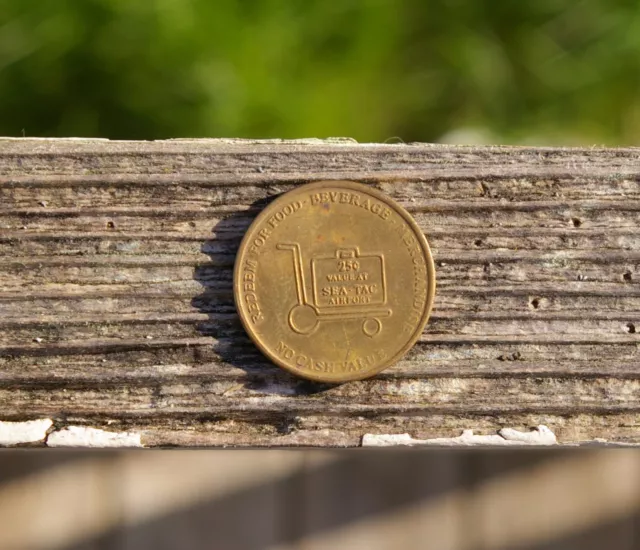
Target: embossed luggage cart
<point>345,286</point>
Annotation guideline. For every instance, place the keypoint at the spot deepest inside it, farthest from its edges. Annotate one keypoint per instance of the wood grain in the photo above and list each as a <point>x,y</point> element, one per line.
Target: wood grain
<point>116,310</point>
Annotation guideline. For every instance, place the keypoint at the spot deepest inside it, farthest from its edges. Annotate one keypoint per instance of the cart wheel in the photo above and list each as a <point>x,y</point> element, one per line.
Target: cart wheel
<point>371,327</point>
<point>303,319</point>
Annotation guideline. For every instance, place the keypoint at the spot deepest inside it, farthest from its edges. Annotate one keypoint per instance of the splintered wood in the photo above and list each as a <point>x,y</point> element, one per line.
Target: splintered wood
<point>116,307</point>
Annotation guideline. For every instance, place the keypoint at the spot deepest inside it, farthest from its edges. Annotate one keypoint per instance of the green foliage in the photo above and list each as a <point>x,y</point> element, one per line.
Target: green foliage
<point>549,71</point>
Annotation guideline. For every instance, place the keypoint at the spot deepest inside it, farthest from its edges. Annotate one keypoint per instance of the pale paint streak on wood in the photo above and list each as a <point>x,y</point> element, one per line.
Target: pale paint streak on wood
<point>116,309</point>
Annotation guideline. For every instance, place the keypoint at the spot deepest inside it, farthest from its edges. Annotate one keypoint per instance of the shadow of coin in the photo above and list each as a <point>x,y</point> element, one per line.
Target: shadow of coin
<point>231,343</point>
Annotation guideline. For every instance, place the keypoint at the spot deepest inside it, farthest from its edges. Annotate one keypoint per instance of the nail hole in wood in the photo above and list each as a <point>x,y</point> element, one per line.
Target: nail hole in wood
<point>577,222</point>
<point>111,225</point>
<point>535,303</point>
<point>627,276</point>
<point>631,328</point>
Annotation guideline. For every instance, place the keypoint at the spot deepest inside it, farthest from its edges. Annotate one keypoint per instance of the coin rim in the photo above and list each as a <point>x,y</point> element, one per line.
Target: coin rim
<point>431,279</point>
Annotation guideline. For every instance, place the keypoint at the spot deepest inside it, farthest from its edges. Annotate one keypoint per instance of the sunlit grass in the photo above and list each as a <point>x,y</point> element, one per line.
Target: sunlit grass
<point>546,72</point>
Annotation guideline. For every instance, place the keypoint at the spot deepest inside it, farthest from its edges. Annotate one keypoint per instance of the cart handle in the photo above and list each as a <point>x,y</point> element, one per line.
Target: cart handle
<point>301,288</point>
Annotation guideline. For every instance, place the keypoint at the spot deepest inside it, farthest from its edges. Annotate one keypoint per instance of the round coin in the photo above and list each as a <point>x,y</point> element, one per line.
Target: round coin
<point>334,281</point>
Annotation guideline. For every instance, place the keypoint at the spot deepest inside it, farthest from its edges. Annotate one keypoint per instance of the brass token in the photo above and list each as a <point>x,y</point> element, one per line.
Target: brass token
<point>334,281</point>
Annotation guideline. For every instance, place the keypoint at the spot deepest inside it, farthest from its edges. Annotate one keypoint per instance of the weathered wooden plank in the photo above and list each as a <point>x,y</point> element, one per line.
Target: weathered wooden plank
<point>116,309</point>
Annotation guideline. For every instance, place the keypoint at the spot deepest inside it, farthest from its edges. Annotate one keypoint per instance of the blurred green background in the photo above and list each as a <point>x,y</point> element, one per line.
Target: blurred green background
<point>477,71</point>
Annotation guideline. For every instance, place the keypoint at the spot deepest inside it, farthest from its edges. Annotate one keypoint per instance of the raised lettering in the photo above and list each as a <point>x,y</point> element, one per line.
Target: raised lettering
<point>284,350</point>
